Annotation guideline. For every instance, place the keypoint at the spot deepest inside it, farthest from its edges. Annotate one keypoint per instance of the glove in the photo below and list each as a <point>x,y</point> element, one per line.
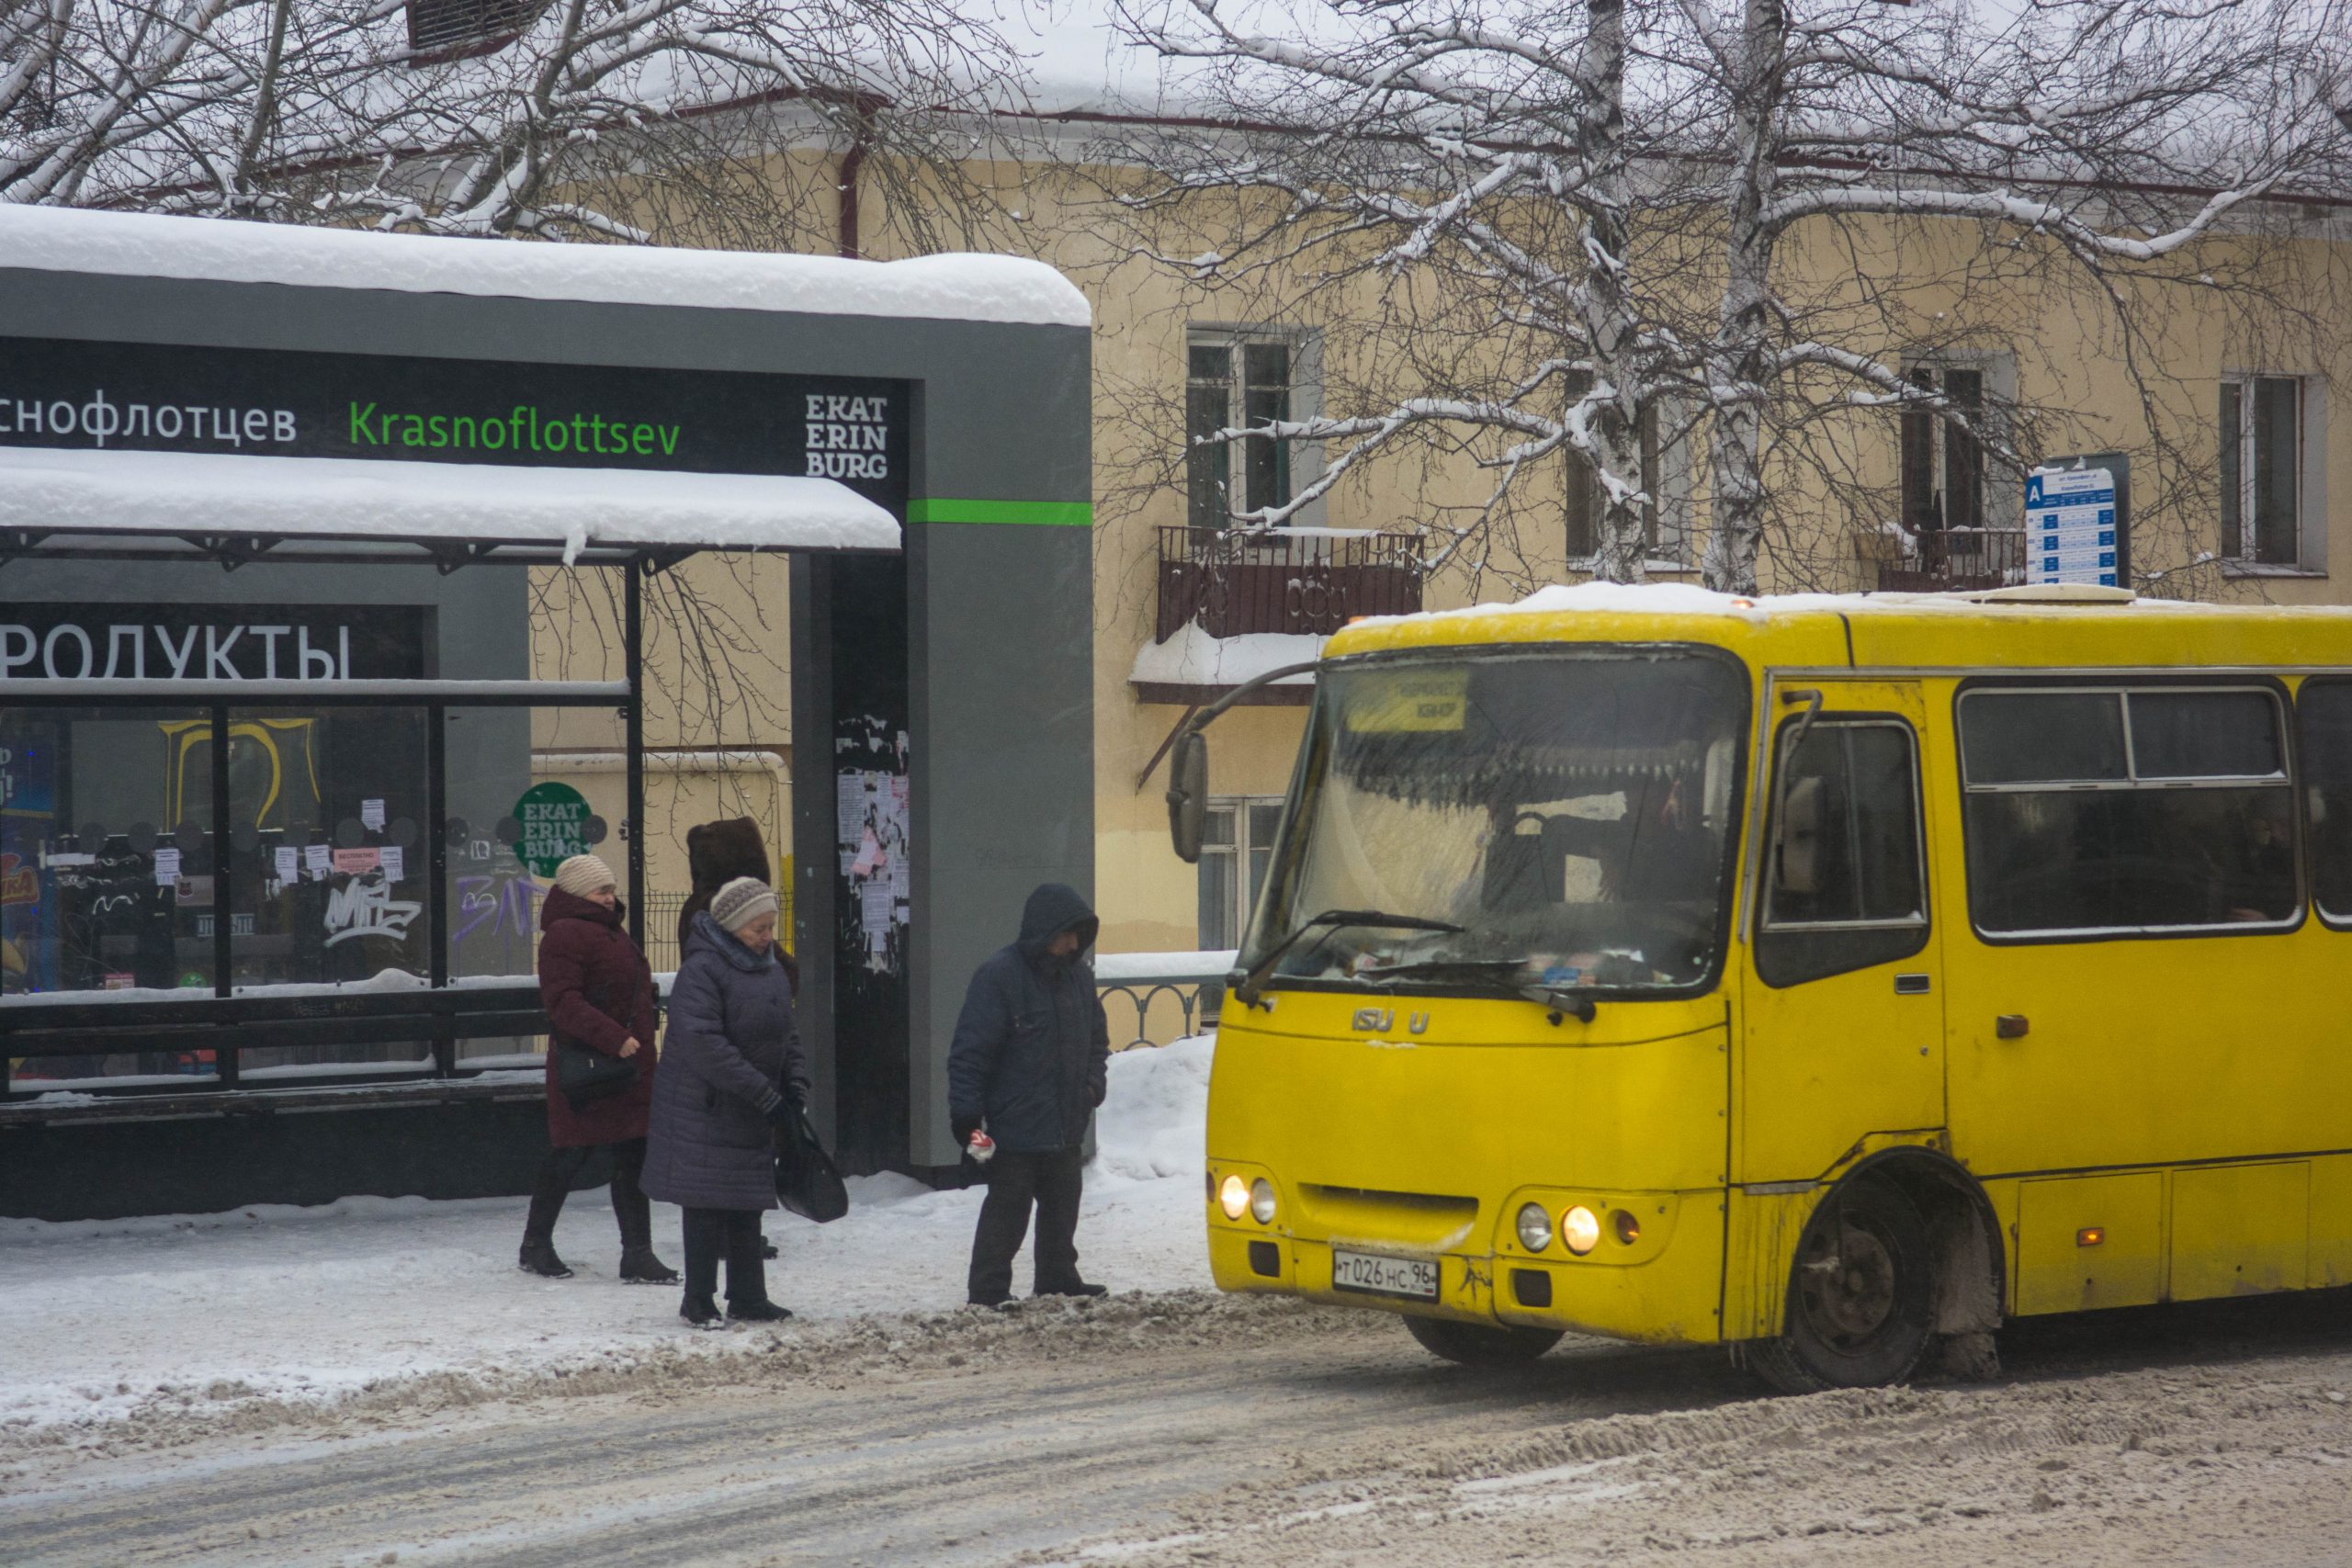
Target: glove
<point>962,1128</point>
<point>785,1114</point>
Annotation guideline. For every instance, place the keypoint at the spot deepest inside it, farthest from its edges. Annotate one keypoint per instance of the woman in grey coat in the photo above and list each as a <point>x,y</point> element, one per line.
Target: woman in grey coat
<point>731,1074</point>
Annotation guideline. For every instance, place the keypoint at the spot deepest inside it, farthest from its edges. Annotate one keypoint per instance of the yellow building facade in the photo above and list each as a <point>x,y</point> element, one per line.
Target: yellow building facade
<point>2224,403</point>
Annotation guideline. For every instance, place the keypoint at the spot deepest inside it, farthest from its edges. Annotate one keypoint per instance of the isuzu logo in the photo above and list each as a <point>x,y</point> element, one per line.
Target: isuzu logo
<point>1372,1019</point>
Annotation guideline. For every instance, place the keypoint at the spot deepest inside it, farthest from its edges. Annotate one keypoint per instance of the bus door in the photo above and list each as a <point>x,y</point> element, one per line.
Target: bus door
<point>1843,999</point>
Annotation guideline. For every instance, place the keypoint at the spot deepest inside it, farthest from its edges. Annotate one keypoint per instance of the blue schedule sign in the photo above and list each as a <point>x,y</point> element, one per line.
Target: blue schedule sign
<point>2070,532</point>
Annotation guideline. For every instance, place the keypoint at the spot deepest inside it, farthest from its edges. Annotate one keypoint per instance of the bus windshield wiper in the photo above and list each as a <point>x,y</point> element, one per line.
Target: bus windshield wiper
<point>1560,999</point>
<point>1253,983</point>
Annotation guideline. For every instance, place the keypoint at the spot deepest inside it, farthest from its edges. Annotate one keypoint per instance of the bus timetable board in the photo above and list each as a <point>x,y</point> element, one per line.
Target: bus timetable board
<point>2071,531</point>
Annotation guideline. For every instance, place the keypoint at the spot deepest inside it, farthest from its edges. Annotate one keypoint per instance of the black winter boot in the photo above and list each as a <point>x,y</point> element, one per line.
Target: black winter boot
<point>639,1265</point>
<point>538,1256</point>
<point>757,1312</point>
<point>701,1312</point>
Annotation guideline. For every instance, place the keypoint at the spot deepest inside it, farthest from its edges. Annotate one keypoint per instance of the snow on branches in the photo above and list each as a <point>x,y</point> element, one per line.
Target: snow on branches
<point>1529,229</point>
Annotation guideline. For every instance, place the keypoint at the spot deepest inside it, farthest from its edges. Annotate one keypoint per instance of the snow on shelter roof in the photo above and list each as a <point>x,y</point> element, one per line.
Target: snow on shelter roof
<point>251,503</point>
<point>960,287</point>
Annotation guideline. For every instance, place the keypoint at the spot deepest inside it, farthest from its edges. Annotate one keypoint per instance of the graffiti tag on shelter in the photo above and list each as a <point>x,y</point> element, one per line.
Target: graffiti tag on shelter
<point>365,908</point>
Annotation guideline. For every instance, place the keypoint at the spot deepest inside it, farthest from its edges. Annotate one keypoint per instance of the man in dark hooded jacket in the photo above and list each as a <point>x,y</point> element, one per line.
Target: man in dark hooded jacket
<point>1031,1051</point>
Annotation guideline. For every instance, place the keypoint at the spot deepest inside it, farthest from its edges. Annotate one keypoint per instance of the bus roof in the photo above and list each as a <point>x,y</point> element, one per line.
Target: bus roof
<point>2007,628</point>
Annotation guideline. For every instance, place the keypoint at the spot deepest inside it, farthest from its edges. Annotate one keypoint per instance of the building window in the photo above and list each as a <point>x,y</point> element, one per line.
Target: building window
<point>2261,432</point>
<point>451,29</point>
<point>1588,503</point>
<point>1237,845</point>
<point>1943,465</point>
<point>1236,378</point>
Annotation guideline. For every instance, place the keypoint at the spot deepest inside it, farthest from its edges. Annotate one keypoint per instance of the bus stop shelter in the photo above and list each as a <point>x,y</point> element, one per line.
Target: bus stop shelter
<point>272,505</point>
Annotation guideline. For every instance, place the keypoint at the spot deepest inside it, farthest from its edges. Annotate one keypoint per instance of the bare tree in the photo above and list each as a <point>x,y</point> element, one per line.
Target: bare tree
<point>620,119</point>
<point>1730,219</point>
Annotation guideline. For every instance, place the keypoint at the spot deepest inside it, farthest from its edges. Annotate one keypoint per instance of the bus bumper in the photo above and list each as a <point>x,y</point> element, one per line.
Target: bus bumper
<point>1666,1288</point>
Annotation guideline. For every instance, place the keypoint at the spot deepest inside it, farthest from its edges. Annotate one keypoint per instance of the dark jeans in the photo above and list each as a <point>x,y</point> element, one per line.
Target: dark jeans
<point>1051,1181</point>
<point>733,1234</point>
<point>562,1169</point>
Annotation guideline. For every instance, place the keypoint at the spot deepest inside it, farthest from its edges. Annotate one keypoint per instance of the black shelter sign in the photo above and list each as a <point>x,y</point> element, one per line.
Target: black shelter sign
<point>58,392</point>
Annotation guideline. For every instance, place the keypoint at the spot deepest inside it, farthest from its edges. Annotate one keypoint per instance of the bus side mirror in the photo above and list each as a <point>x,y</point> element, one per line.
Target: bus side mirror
<point>1801,837</point>
<point>1188,793</point>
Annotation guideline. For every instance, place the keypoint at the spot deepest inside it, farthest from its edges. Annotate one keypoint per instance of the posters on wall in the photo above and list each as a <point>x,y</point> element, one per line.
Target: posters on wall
<point>871,833</point>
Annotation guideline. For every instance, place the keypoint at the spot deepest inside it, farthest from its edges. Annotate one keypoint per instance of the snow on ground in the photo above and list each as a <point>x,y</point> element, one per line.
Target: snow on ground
<point>110,1317</point>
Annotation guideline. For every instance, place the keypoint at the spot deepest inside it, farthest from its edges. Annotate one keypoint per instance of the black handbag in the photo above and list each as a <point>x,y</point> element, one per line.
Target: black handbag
<point>586,1075</point>
<point>807,1180</point>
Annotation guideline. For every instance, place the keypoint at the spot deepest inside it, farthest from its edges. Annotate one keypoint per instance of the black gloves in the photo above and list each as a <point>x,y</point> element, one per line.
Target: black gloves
<point>962,1128</point>
<point>784,1114</point>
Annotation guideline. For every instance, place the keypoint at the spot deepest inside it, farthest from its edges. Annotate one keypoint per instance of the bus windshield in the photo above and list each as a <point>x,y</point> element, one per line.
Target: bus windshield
<point>1570,811</point>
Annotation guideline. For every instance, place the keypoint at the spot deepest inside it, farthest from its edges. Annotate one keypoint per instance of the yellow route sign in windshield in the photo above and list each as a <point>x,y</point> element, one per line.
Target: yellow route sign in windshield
<point>1396,702</point>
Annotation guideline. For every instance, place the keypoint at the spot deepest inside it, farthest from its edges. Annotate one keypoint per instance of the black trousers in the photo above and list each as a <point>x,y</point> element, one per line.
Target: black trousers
<point>1052,1183</point>
<point>732,1233</point>
<point>562,1169</point>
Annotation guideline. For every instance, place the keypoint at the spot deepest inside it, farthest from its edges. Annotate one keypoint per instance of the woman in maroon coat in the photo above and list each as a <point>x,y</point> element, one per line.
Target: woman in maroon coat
<point>598,991</point>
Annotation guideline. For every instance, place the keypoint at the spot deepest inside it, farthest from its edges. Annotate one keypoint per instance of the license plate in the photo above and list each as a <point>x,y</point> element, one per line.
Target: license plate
<point>1374,1275</point>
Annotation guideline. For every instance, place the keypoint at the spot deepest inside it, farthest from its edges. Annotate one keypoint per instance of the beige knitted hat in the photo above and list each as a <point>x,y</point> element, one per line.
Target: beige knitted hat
<point>583,874</point>
<point>740,902</point>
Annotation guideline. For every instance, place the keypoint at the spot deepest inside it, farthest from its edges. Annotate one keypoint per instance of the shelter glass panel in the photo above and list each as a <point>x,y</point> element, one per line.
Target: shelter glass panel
<point>105,869</point>
<point>327,884</point>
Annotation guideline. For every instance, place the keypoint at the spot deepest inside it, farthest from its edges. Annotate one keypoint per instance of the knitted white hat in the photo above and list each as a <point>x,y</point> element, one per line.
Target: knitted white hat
<point>740,902</point>
<point>583,874</point>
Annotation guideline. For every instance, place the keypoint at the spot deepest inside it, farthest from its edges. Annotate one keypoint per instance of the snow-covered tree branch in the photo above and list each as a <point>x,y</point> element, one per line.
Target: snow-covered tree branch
<point>568,118</point>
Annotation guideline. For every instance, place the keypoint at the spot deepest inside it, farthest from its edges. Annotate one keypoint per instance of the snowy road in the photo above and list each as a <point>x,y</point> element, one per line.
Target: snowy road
<point>1182,1429</point>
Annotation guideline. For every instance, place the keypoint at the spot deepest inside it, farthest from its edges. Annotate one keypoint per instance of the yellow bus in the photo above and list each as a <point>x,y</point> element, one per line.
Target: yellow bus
<point>1824,977</point>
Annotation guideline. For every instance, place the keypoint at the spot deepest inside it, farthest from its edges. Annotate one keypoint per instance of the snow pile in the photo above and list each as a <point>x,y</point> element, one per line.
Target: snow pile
<point>164,1316</point>
<point>1154,1124</point>
<point>1194,658</point>
<point>968,287</point>
<point>1122,968</point>
<point>67,492</point>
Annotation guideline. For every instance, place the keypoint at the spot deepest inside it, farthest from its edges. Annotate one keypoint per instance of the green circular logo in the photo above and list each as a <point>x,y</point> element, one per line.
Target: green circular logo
<point>554,820</point>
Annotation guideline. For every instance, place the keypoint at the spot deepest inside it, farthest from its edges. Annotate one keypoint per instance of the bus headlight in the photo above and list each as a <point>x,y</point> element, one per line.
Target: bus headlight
<point>1233,1197</point>
<point>1579,1230</point>
<point>1261,1201</point>
<point>1534,1227</point>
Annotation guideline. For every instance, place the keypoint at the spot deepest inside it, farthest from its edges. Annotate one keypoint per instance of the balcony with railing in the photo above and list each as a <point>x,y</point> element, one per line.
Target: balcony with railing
<point>1234,603</point>
<point>1297,581</point>
<point>1939,560</point>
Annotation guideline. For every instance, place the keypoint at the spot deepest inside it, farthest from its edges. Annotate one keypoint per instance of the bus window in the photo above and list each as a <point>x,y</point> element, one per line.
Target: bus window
<point>2194,830</point>
<point>1848,889</point>
<point>2324,708</point>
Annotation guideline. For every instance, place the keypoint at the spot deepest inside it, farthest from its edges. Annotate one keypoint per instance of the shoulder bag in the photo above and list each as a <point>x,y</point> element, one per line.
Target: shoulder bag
<point>586,1075</point>
<point>807,1180</point>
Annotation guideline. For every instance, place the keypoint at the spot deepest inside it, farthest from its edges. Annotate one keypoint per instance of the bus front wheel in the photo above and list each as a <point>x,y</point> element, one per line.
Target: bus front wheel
<point>1859,1305</point>
<point>1475,1345</point>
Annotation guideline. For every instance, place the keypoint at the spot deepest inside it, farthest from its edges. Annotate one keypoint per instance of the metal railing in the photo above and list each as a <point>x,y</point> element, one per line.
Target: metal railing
<point>1947,560</point>
<point>1233,583</point>
<point>1166,994</point>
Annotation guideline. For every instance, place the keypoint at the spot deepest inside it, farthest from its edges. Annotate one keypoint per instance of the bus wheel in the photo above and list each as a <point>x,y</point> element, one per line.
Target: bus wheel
<point>1859,1309</point>
<point>1477,1345</point>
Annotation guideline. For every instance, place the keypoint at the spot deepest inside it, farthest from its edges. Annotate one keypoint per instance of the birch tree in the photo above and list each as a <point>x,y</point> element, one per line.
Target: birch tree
<point>1616,194</point>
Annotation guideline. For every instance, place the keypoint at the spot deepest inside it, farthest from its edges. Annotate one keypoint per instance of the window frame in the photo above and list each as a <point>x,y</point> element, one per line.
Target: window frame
<point>2125,682</point>
<point>2241,444</point>
<point>1793,960</point>
<point>1243,908</point>
<point>1301,460</point>
<point>1947,448</point>
<point>2340,679</point>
